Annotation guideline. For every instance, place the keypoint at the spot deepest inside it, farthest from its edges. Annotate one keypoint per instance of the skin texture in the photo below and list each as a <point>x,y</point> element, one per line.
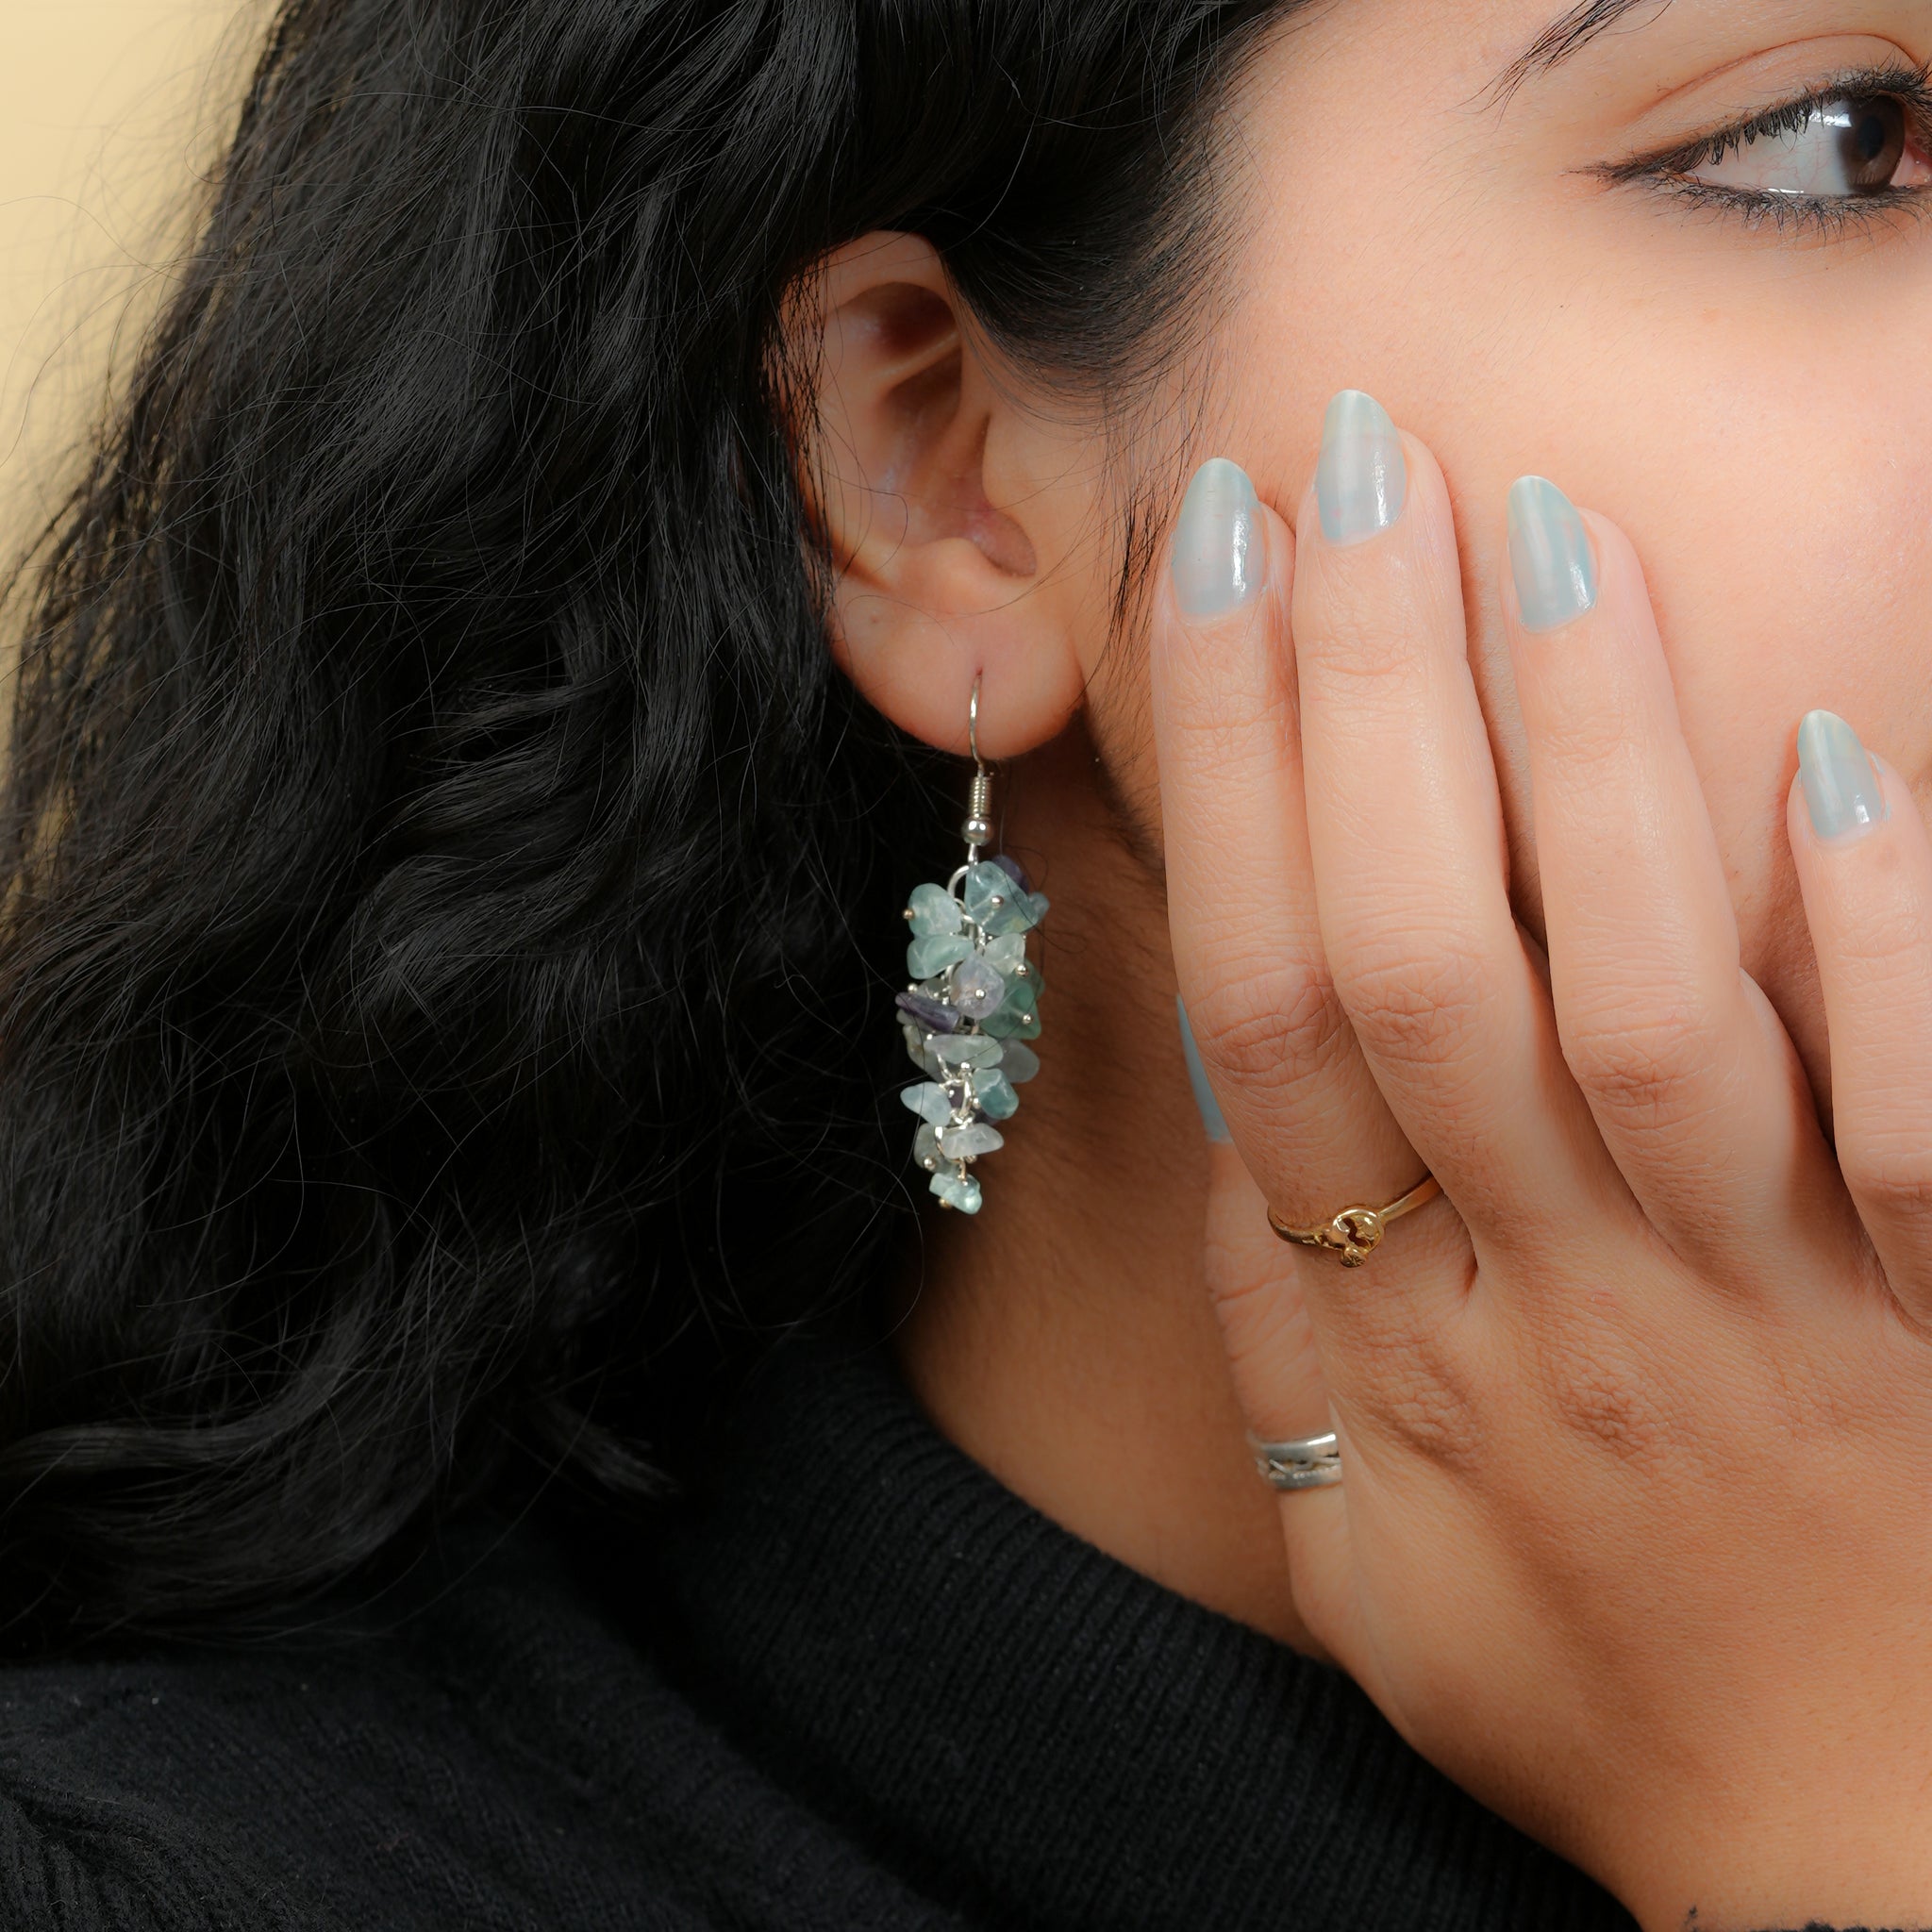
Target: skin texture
<point>1632,1522</point>
<point>1653,1284</point>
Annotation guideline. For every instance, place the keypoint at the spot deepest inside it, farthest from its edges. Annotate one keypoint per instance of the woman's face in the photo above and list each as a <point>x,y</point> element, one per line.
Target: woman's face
<point>1735,373</point>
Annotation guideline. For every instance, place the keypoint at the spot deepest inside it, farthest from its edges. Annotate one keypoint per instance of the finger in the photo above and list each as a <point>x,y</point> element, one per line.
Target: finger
<point>1247,945</point>
<point>1274,1057</point>
<point>1406,832</point>
<point>1865,867</point>
<point>1275,1351</point>
<point>1276,1367</point>
<point>1689,1072</point>
<point>1264,1317</point>
<point>1272,1050</point>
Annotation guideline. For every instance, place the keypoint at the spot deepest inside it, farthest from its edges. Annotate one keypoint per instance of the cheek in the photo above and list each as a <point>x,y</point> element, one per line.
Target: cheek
<point>1773,477</point>
<point>1791,570</point>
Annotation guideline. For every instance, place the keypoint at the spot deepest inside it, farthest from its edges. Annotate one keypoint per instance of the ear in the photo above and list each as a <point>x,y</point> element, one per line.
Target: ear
<point>959,520</point>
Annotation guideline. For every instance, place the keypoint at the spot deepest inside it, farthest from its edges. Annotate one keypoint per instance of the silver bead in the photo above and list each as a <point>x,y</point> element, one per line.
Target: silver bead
<point>978,825</point>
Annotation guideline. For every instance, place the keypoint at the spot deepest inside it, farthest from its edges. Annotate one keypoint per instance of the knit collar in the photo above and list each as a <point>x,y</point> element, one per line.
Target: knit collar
<point>1024,1725</point>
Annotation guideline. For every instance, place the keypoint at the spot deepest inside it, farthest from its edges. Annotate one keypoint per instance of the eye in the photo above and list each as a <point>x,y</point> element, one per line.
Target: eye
<point>1834,147</point>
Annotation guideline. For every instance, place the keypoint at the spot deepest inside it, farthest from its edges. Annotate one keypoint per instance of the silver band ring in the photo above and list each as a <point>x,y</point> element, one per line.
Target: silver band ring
<point>1303,1462</point>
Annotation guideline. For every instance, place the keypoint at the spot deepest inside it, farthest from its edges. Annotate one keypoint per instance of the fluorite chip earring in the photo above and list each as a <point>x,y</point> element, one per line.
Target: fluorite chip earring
<point>974,1002</point>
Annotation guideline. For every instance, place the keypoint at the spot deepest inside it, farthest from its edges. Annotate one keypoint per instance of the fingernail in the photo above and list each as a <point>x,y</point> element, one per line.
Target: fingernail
<point>1219,550</point>
<point>1198,1076</point>
<point>1841,786</point>
<point>1361,481</point>
<point>1549,555</point>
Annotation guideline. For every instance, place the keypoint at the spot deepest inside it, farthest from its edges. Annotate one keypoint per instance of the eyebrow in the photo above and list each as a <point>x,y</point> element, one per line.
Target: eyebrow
<point>1567,36</point>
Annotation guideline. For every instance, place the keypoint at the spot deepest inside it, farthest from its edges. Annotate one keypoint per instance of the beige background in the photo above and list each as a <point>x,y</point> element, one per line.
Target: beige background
<point>108,108</point>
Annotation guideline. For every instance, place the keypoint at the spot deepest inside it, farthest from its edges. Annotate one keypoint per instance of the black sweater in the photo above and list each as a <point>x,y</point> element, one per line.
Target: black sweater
<point>856,1685</point>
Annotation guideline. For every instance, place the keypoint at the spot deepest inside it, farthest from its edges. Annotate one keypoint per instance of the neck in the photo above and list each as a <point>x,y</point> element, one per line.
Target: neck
<point>1063,1337</point>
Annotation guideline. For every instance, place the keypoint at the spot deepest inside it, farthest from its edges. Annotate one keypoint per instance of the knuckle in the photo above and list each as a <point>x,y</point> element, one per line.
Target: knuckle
<point>1378,616</point>
<point>1887,940</point>
<point>1411,999</point>
<point>1597,730</point>
<point>1643,1069</point>
<point>1237,735</point>
<point>1606,1409</point>
<point>1362,648</point>
<point>1273,1029</point>
<point>1404,1374</point>
<point>1890,1175</point>
<point>1433,1417</point>
<point>1600,1391</point>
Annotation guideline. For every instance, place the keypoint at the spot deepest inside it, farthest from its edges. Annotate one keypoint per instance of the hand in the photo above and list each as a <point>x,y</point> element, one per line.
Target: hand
<point>1635,1539</point>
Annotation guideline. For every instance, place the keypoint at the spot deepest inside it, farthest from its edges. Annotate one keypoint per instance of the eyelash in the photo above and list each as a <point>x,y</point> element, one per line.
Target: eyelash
<point>1668,172</point>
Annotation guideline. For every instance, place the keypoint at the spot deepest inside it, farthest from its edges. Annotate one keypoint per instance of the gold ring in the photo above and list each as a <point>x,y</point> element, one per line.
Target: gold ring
<point>1356,1233</point>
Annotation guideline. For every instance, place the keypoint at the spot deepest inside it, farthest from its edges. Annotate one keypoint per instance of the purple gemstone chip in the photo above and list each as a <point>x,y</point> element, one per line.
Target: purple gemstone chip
<point>977,989</point>
<point>934,1015</point>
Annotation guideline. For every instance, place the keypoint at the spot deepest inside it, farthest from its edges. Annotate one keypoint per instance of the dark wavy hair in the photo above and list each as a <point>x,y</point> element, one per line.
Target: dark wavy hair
<point>449,906</point>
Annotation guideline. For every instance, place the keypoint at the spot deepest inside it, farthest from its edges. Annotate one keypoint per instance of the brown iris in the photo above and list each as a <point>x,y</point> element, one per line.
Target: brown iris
<point>1871,138</point>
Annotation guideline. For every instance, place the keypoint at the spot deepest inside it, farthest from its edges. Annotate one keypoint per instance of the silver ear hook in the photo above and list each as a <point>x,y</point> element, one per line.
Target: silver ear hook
<point>973,1004</point>
<point>979,826</point>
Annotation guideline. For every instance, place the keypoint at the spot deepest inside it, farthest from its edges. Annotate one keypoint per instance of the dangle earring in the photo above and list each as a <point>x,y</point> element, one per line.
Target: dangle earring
<point>974,1003</point>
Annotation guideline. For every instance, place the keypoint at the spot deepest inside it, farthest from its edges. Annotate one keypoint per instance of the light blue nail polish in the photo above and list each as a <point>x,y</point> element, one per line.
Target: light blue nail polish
<point>1841,786</point>
<point>1550,555</point>
<point>1197,1075</point>
<point>1362,482</point>
<point>1220,549</point>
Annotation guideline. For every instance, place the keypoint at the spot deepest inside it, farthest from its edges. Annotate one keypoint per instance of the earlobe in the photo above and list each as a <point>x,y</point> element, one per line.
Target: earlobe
<point>925,481</point>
